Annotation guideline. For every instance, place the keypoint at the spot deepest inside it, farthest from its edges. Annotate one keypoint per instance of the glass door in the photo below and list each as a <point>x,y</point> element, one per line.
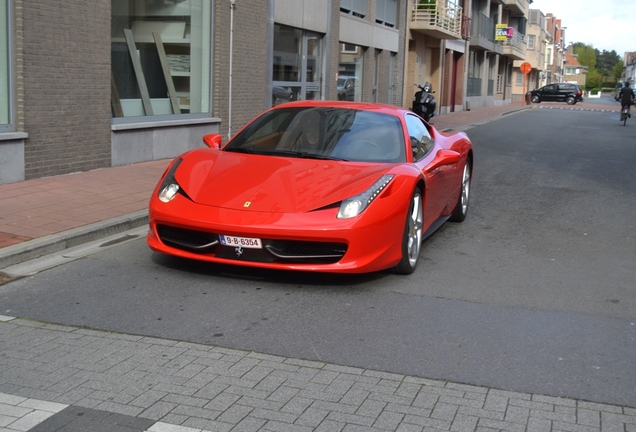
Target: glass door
<point>297,65</point>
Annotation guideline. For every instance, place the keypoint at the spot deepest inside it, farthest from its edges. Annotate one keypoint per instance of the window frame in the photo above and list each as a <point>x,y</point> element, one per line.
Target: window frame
<point>206,41</point>
<point>9,126</point>
<point>386,13</point>
<point>423,148</point>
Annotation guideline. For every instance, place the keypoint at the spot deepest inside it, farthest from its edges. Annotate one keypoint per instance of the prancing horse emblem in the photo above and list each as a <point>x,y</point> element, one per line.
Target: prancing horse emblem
<point>247,204</point>
<point>239,251</point>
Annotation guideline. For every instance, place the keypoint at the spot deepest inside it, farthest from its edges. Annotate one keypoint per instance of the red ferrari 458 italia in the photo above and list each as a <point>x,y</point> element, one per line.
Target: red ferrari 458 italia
<point>323,186</point>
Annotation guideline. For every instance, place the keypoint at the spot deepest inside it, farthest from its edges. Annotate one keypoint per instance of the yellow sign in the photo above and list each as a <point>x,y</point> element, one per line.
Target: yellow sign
<point>501,32</point>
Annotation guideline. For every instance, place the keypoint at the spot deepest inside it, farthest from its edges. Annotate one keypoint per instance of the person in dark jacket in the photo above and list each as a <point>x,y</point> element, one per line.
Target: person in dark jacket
<point>626,96</point>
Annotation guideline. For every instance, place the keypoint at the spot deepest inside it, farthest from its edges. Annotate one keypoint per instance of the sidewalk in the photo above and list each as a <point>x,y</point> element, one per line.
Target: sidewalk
<point>61,378</point>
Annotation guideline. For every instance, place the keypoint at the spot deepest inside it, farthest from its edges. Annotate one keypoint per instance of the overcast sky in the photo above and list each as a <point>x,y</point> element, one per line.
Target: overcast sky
<point>604,24</point>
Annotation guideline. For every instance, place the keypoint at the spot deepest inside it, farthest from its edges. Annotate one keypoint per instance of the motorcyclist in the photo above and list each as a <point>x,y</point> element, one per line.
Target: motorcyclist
<point>626,96</point>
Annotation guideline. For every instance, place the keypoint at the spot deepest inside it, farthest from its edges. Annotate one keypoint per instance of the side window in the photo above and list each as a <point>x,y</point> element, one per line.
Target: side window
<point>421,141</point>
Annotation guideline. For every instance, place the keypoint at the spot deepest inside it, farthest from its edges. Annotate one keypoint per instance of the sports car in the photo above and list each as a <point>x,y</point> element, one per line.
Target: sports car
<point>321,186</point>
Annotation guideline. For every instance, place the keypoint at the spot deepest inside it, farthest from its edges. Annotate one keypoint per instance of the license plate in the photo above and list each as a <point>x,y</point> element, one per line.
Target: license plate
<point>246,242</point>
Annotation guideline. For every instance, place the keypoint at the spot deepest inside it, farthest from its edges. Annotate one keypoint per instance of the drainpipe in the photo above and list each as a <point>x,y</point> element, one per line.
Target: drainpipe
<point>442,66</point>
<point>229,115</point>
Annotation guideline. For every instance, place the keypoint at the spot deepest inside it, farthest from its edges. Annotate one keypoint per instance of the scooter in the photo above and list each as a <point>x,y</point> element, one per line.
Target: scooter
<point>424,102</point>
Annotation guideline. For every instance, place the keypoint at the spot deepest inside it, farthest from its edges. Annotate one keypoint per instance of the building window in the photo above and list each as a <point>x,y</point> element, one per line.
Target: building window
<point>530,41</point>
<point>350,74</point>
<point>160,55</point>
<point>297,60</point>
<point>347,48</point>
<point>386,12</point>
<point>354,7</point>
<point>5,67</point>
<point>519,78</point>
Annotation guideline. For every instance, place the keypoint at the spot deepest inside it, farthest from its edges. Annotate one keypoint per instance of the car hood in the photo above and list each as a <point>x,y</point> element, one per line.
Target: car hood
<point>269,183</point>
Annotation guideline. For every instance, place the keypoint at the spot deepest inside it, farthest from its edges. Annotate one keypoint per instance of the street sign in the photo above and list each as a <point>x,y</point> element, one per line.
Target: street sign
<point>525,67</point>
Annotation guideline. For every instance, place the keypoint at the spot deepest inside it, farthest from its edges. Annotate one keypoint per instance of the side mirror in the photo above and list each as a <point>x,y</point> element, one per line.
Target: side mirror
<point>213,141</point>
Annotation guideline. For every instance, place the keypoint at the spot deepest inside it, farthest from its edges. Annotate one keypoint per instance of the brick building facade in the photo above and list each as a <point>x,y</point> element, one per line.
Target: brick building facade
<point>87,84</point>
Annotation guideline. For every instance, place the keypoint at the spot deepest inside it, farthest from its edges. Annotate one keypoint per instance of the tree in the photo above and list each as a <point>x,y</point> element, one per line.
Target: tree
<point>586,55</point>
<point>606,61</point>
<point>594,79</point>
<point>617,70</point>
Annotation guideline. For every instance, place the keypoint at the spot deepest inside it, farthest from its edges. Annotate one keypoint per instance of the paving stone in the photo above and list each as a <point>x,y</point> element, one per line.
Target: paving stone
<point>184,387</point>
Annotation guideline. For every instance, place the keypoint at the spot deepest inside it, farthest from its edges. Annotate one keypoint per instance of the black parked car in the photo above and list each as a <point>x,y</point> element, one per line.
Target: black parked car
<point>558,92</point>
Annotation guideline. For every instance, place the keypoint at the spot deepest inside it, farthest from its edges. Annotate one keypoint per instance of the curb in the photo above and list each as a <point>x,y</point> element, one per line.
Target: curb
<point>36,248</point>
<point>465,127</point>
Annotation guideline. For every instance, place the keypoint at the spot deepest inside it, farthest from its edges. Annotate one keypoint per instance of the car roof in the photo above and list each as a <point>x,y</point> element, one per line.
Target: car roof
<point>363,106</point>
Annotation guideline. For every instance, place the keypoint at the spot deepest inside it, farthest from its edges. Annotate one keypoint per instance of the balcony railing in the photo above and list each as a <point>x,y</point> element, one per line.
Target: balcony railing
<point>515,46</point>
<point>484,27</point>
<point>442,19</point>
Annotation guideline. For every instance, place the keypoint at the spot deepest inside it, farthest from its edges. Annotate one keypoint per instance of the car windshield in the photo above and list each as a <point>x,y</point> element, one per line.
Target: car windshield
<point>323,133</point>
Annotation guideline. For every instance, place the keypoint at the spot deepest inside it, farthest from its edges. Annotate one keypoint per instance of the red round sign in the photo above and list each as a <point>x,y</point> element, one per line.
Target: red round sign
<point>526,67</point>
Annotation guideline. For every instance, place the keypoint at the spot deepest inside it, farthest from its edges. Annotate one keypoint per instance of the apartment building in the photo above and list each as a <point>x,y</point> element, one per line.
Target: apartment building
<point>437,51</point>
<point>93,84</point>
<point>555,50</point>
<point>629,68</point>
<point>497,41</point>
<point>536,47</point>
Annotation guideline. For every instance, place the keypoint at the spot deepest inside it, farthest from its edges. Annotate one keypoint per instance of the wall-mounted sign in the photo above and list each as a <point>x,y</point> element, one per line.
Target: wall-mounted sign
<point>503,32</point>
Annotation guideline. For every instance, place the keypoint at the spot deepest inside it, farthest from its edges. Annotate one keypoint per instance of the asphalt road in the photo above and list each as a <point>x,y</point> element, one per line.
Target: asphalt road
<point>534,292</point>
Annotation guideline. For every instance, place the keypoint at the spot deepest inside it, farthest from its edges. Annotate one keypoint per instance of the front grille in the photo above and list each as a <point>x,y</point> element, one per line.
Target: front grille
<point>281,251</point>
<point>187,239</point>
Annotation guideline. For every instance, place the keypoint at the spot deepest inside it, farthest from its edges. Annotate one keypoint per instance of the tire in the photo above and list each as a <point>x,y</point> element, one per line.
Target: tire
<point>535,99</point>
<point>461,208</point>
<point>571,100</point>
<point>412,237</point>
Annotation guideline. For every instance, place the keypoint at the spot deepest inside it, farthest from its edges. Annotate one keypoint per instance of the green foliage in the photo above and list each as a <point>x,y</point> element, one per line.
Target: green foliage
<point>605,62</point>
<point>586,54</point>
<point>604,69</point>
<point>594,79</point>
<point>617,70</point>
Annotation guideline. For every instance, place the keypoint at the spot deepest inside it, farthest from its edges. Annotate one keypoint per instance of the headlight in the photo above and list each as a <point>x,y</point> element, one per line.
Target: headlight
<point>169,186</point>
<point>353,206</point>
<point>167,193</point>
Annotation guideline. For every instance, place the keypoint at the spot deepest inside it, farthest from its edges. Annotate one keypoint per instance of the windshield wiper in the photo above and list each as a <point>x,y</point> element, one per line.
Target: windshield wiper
<point>290,153</point>
<point>239,150</point>
<point>321,157</point>
<point>304,155</point>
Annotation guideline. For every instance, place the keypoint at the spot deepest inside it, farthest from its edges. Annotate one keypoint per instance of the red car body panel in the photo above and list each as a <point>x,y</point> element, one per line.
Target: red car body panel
<point>285,198</point>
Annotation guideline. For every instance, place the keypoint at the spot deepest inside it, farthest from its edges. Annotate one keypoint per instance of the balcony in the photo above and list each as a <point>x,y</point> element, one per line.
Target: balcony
<point>483,34</point>
<point>517,7</point>
<point>515,47</point>
<point>441,20</point>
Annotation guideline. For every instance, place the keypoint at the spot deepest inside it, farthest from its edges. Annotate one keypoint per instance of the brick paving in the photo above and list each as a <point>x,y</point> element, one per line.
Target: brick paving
<point>59,378</point>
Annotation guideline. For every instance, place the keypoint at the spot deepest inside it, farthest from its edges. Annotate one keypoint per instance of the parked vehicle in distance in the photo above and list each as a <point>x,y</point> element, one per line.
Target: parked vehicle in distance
<point>570,93</point>
<point>321,186</point>
<point>347,88</point>
<point>281,95</point>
